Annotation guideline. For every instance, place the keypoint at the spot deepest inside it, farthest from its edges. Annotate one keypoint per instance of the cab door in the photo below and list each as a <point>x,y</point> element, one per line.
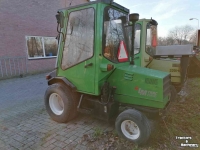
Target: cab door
<point>77,61</point>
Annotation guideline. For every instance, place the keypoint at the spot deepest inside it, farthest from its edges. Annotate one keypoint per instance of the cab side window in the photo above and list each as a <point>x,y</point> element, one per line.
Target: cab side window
<point>79,42</point>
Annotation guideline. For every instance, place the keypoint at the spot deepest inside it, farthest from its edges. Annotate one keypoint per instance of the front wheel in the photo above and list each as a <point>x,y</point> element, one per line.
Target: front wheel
<point>60,104</point>
<point>133,125</point>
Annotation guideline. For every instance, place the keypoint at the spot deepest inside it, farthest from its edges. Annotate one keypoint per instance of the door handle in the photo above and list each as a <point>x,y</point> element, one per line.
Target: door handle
<point>90,64</point>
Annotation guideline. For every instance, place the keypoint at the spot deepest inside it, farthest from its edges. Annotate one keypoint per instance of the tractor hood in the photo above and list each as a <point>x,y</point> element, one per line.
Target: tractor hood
<point>141,86</point>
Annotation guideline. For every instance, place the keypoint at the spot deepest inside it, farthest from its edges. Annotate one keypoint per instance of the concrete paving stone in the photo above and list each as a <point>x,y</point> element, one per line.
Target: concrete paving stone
<point>68,135</point>
<point>29,144</point>
<point>46,144</point>
<point>16,144</point>
<point>50,136</point>
<point>61,132</point>
<point>86,128</point>
<point>18,137</point>
<point>58,137</point>
<point>84,143</point>
<point>24,134</point>
<point>78,134</point>
<point>68,141</point>
<point>71,145</point>
<point>57,148</point>
<point>62,139</point>
<point>78,139</point>
<point>28,149</point>
<point>2,145</point>
<point>11,148</point>
<point>36,147</point>
<point>60,144</point>
<point>47,138</point>
<point>83,131</point>
<point>89,131</point>
<point>81,147</point>
<point>38,140</point>
<point>31,138</point>
<point>50,147</point>
<point>7,132</point>
<point>3,137</point>
<point>25,142</point>
<point>73,137</point>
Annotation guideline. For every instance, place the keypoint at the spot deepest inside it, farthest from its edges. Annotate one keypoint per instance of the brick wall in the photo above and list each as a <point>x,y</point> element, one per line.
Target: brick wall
<point>20,18</point>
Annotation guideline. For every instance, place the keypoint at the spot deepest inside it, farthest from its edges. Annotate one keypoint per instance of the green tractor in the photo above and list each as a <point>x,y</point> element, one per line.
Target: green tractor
<point>95,73</point>
<point>174,59</point>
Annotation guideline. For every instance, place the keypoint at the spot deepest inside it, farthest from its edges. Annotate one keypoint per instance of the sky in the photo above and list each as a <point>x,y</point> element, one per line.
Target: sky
<point>168,13</point>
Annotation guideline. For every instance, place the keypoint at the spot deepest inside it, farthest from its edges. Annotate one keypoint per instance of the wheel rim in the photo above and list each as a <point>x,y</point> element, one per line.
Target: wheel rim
<point>130,129</point>
<point>56,104</point>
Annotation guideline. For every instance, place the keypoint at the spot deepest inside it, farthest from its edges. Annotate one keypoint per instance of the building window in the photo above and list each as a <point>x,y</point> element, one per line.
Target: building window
<point>41,47</point>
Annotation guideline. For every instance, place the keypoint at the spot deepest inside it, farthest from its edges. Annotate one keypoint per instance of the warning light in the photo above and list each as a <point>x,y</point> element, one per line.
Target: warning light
<point>122,52</point>
<point>110,67</point>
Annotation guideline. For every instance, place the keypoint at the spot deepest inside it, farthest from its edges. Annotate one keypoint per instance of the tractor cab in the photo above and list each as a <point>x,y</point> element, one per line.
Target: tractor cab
<point>145,41</point>
<point>89,45</point>
<point>172,58</point>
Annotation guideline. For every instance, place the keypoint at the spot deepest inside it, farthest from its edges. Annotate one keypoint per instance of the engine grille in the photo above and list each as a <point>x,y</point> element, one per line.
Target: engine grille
<point>128,76</point>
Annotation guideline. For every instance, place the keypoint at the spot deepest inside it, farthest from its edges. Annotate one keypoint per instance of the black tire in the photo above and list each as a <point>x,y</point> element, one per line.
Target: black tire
<point>173,93</point>
<point>139,120</point>
<point>68,109</point>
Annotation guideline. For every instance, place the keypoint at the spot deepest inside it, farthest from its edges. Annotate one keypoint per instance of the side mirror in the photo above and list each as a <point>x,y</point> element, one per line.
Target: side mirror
<point>60,19</point>
<point>134,17</point>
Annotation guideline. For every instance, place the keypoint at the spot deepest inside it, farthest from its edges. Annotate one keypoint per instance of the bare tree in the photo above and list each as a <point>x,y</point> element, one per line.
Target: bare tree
<point>193,38</point>
<point>166,41</point>
<point>181,34</point>
<point>161,41</point>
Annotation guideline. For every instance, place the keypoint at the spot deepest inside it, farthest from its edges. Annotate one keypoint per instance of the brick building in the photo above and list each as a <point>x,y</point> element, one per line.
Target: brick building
<point>26,30</point>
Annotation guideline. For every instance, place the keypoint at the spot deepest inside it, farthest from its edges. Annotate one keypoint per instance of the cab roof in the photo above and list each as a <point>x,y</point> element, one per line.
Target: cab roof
<point>110,2</point>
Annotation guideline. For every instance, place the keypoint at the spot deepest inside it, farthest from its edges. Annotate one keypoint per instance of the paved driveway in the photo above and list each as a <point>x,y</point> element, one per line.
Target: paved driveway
<point>24,123</point>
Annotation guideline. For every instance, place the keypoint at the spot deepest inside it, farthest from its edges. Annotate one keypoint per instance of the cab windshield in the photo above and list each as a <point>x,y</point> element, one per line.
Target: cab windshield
<point>113,33</point>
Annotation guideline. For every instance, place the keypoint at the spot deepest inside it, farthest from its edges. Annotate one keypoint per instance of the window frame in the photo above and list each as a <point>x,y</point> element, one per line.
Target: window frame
<point>150,41</point>
<point>103,46</point>
<point>43,48</point>
<point>68,15</point>
<point>140,39</point>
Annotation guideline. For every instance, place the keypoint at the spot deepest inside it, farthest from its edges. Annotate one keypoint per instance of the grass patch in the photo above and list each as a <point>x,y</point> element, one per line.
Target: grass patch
<point>183,120</point>
<point>97,132</point>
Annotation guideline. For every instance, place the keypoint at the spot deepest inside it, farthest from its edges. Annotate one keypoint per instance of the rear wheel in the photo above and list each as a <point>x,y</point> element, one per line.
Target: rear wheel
<point>133,125</point>
<point>60,103</point>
